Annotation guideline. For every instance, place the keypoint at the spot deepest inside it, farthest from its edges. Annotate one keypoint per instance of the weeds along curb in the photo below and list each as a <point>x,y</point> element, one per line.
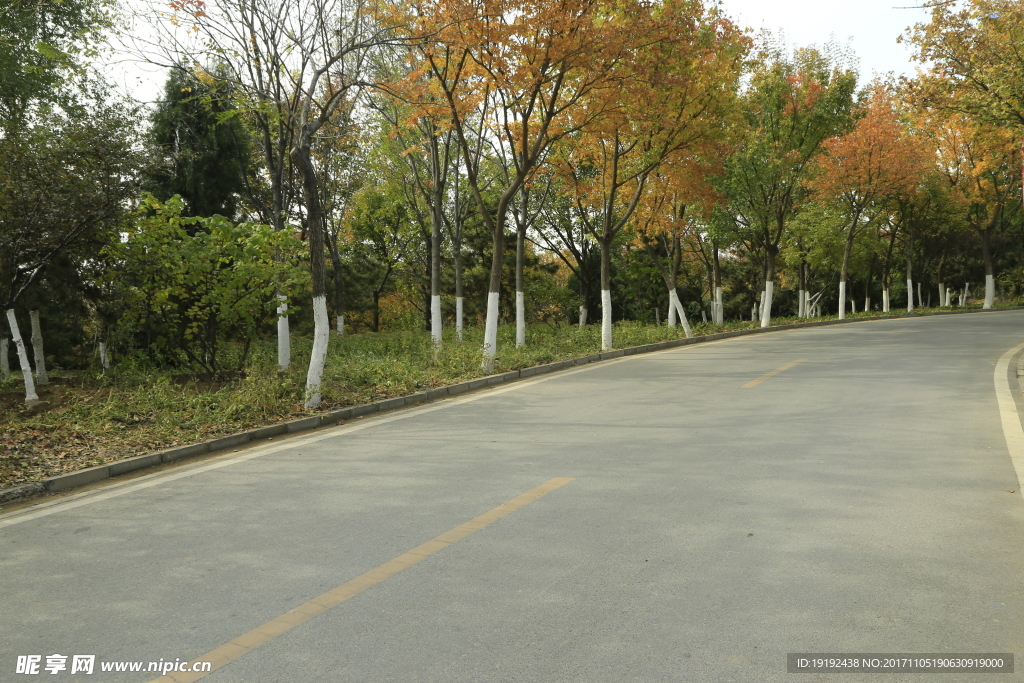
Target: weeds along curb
<point>93,474</point>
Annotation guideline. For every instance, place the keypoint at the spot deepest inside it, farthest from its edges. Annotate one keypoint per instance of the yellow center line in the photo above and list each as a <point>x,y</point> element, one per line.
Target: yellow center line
<point>787,366</point>
<point>247,642</point>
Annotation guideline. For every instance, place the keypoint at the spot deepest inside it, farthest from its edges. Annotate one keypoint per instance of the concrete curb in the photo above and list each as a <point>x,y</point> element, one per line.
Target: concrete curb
<point>80,478</point>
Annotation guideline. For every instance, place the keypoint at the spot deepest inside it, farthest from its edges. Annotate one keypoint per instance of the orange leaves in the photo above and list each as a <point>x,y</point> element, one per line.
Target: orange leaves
<point>197,8</point>
<point>879,158</point>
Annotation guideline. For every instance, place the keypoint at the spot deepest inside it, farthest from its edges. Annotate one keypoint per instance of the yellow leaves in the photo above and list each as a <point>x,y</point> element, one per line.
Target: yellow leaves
<point>879,158</point>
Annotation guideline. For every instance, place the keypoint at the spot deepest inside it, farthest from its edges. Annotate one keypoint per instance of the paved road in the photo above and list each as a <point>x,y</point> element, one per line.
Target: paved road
<point>857,501</point>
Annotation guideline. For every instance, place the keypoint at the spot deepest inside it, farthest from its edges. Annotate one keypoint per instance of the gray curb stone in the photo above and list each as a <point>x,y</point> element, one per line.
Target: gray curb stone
<point>79,478</point>
<point>225,442</point>
<point>366,409</point>
<point>303,424</point>
<point>391,403</point>
<point>180,452</point>
<point>132,464</point>
<point>82,477</point>
<point>267,432</point>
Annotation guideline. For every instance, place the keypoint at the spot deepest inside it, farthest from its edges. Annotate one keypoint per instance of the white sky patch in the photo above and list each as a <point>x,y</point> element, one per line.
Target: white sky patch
<point>871,27</point>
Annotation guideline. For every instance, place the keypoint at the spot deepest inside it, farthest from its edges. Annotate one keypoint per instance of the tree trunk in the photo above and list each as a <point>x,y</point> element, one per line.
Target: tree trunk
<point>847,250</point>
<point>520,298</point>
<point>910,271</point>
<point>37,348</point>
<point>719,312</point>
<point>104,357</point>
<point>801,308</point>
<point>606,295</point>
<point>339,302</point>
<point>867,286</point>
<point>493,294</point>
<point>284,345</point>
<point>769,286</point>
<point>321,324</point>
<point>990,282</point>
<point>5,361</point>
<point>26,369</point>
<point>436,221</point>
<point>674,301</point>
<point>459,315</point>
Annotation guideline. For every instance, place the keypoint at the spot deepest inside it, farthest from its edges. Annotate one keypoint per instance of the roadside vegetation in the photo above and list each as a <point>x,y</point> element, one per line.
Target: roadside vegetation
<point>344,200</point>
<point>88,417</point>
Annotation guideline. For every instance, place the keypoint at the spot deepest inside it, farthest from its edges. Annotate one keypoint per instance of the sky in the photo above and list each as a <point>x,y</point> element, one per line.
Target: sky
<point>870,27</point>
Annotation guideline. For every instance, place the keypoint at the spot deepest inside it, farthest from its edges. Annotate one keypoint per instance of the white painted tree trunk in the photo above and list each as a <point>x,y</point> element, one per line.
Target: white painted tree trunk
<point>38,354</point>
<point>703,316</point>
<point>885,300</point>
<point>719,310</point>
<point>766,304</point>
<point>990,291</point>
<point>842,300</point>
<point>490,332</point>
<point>583,317</point>
<point>435,320</point>
<point>458,317</point>
<point>671,310</point>
<point>942,294</point>
<point>606,320</point>
<point>284,342</point>
<point>753,312</point>
<point>920,299</point>
<point>104,357</point>
<point>321,337</point>
<point>949,297</point>
<point>340,324</point>
<point>853,305</point>
<point>801,304</point>
<point>520,320</point>
<point>910,295</point>
<point>26,369</point>
<point>674,300</point>
<point>5,361</point>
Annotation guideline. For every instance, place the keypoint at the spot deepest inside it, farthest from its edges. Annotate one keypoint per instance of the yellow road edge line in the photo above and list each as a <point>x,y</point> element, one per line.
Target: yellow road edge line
<point>787,366</point>
<point>1008,416</point>
<point>249,641</point>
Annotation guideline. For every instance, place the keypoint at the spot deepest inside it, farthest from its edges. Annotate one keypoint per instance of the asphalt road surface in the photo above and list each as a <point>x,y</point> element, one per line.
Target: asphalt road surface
<point>692,524</point>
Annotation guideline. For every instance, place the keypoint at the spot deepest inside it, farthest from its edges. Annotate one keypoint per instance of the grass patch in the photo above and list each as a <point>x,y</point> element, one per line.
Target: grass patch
<point>133,409</point>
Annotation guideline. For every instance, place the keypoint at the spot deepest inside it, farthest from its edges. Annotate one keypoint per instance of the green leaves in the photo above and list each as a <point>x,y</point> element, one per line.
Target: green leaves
<point>203,281</point>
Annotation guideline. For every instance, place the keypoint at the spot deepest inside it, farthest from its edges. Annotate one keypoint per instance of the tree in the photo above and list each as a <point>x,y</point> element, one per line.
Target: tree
<point>201,145</point>
<point>792,106</point>
<point>976,64</point>
<point>674,99</point>
<point>197,283</point>
<point>65,185</point>
<point>301,60</point>
<point>523,72</point>
<point>980,164</point>
<point>877,160</point>
<point>41,46</point>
